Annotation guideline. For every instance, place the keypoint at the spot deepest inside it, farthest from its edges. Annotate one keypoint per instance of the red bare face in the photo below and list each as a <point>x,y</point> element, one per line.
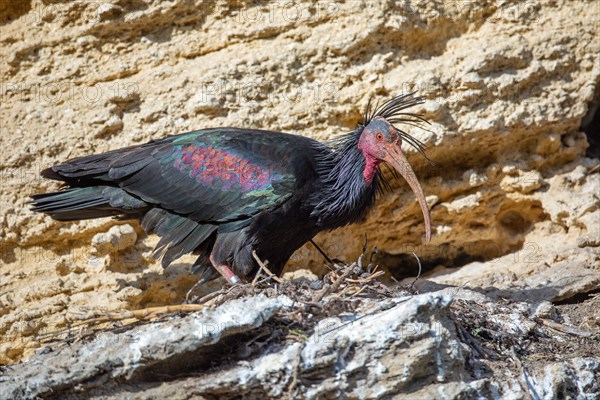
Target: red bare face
<point>377,137</point>
<point>379,142</point>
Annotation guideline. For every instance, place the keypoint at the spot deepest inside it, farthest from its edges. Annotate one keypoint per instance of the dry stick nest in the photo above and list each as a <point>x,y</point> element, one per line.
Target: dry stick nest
<point>343,283</point>
<point>337,292</point>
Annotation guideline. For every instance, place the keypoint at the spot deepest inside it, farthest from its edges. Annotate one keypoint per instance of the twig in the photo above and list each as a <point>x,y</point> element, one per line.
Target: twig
<point>313,304</point>
<point>419,274</point>
<point>464,284</point>
<point>263,266</point>
<point>322,293</point>
<point>368,279</point>
<point>468,339</point>
<point>327,289</point>
<point>125,316</point>
<point>211,296</point>
<point>373,252</point>
<point>359,261</point>
<point>564,328</point>
<point>258,275</point>
<point>345,290</point>
<point>335,285</point>
<point>187,295</point>
<point>359,291</point>
<point>294,378</point>
<point>145,313</point>
<point>68,330</point>
<point>531,393</point>
<point>266,279</point>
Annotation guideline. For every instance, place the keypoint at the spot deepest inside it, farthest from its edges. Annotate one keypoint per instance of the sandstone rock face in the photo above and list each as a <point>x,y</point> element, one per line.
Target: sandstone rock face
<point>508,85</point>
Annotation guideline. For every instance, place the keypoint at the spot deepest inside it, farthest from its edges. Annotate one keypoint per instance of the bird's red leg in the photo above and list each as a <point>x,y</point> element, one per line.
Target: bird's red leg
<point>227,274</point>
<point>225,271</point>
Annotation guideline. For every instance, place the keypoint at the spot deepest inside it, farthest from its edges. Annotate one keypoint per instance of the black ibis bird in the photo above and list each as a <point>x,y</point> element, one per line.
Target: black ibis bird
<point>222,193</point>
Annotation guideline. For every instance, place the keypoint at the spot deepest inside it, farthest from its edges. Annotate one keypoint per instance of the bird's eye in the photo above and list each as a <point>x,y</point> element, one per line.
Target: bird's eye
<point>379,136</point>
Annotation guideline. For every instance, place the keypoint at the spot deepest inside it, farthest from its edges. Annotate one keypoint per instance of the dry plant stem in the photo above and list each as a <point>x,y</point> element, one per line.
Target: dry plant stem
<point>51,336</point>
<point>256,277</point>
<point>309,304</point>
<point>144,313</point>
<point>211,296</point>
<point>263,267</point>
<point>468,339</point>
<point>359,291</point>
<point>327,289</point>
<point>319,296</point>
<point>336,285</point>
<point>344,291</point>
<point>189,292</point>
<point>368,279</point>
<point>525,380</point>
<point>419,274</point>
<point>564,328</point>
<point>294,380</point>
<point>126,317</point>
<point>265,279</point>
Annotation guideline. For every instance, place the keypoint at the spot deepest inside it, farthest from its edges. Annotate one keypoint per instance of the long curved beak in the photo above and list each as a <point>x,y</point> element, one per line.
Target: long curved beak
<point>396,157</point>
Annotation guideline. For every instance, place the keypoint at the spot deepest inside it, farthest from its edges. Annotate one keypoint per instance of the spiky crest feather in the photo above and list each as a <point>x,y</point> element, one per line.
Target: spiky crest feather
<point>346,194</point>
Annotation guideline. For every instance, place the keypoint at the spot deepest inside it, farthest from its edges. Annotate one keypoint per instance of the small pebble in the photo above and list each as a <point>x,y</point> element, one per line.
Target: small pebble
<point>316,285</point>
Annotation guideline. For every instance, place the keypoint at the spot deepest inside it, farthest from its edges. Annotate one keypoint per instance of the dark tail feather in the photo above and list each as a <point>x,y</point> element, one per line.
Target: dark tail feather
<point>85,203</point>
<point>49,173</point>
<point>179,235</point>
<point>204,268</point>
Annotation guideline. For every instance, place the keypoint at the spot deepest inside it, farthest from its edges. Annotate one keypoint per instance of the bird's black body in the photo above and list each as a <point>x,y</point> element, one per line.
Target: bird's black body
<point>222,193</point>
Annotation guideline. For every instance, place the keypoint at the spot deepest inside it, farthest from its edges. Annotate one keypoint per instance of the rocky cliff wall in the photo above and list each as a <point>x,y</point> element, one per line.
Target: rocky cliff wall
<point>508,84</point>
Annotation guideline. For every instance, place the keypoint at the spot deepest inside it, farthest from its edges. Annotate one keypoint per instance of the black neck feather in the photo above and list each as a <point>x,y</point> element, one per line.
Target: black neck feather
<point>345,196</point>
